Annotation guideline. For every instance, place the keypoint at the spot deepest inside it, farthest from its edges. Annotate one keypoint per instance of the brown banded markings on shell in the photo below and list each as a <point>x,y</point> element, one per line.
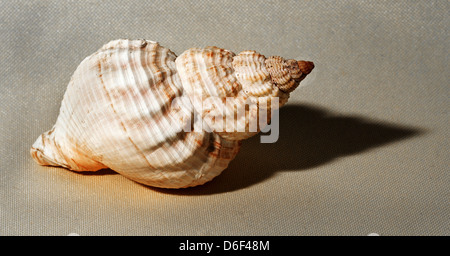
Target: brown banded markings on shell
<point>118,111</point>
<point>287,74</point>
<point>215,77</point>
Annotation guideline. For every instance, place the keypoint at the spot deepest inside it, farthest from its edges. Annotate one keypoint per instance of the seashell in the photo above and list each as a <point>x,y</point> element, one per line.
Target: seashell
<point>133,106</point>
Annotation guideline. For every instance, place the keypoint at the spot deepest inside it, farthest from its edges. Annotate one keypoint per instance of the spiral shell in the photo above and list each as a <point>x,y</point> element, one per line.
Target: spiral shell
<point>118,112</point>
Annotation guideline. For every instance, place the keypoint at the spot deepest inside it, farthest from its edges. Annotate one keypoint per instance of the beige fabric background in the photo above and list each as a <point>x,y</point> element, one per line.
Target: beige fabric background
<point>363,147</point>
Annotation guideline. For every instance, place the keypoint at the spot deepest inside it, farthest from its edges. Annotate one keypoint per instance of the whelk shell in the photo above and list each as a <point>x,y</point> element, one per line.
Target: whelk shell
<point>133,106</point>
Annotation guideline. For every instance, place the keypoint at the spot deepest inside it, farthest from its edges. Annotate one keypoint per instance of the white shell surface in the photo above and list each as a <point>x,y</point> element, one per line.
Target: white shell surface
<point>117,113</point>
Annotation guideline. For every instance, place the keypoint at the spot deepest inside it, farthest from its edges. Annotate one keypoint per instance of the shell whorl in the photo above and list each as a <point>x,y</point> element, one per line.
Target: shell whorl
<point>117,113</point>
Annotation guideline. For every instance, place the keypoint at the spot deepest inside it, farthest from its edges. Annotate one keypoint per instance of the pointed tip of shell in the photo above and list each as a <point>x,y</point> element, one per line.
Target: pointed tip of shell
<point>287,74</point>
<point>305,66</point>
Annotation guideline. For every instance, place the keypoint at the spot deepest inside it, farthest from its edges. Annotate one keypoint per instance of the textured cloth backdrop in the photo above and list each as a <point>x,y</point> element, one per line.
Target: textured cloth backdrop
<point>363,146</point>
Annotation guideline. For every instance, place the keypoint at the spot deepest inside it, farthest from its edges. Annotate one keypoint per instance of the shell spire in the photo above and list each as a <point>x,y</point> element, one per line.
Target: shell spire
<point>287,74</point>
